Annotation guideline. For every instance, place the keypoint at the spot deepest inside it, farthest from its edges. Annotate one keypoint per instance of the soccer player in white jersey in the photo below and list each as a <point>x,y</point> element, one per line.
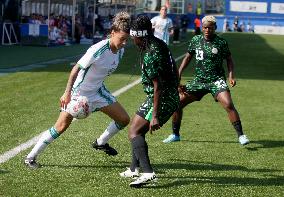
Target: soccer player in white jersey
<point>85,90</point>
<point>163,25</point>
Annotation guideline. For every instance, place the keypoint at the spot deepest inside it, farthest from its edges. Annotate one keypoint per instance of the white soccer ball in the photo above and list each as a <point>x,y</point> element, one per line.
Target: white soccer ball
<point>79,107</point>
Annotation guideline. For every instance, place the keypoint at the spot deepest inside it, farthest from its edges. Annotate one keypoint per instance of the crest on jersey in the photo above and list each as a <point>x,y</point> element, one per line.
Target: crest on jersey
<point>214,50</point>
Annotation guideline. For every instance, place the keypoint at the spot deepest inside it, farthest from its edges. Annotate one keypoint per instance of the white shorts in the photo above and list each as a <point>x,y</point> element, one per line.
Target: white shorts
<point>96,100</point>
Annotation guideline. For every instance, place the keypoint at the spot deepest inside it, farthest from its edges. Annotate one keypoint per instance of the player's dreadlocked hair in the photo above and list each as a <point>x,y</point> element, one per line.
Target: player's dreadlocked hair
<point>121,22</point>
<point>142,28</point>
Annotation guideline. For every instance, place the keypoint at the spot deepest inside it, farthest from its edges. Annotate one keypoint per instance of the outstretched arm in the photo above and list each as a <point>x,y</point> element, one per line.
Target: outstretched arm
<point>230,66</point>
<point>66,97</point>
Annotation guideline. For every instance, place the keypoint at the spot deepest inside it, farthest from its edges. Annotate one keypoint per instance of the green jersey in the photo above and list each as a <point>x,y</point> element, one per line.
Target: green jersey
<point>159,63</point>
<point>209,57</point>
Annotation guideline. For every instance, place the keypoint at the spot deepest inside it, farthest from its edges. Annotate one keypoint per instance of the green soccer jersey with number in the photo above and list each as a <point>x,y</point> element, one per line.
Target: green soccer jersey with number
<point>209,56</point>
<point>159,63</point>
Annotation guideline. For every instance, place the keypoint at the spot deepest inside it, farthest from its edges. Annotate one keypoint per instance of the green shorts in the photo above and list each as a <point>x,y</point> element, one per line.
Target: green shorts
<point>168,106</point>
<point>199,89</point>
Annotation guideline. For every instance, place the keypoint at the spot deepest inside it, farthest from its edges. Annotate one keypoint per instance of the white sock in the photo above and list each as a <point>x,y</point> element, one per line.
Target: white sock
<point>47,137</point>
<point>110,131</point>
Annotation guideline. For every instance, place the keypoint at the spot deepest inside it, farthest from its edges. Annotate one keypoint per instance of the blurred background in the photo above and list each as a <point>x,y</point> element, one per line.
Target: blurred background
<point>64,22</point>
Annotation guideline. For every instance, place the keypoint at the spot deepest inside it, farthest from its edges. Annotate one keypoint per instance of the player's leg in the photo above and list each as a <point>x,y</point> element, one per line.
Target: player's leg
<point>133,170</point>
<point>192,91</point>
<point>120,120</point>
<point>185,99</point>
<point>136,134</point>
<point>62,123</point>
<point>139,127</point>
<point>225,100</point>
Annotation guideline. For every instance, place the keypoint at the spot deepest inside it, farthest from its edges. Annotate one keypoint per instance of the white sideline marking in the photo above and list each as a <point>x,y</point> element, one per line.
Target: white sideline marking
<point>13,152</point>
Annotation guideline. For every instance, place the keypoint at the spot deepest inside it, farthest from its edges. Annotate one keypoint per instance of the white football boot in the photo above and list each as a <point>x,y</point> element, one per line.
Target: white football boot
<point>144,179</point>
<point>243,140</point>
<point>129,174</point>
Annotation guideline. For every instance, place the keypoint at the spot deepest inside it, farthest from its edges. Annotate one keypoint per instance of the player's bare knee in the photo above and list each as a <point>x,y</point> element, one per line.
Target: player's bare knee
<point>60,128</point>
<point>229,107</point>
<point>124,121</point>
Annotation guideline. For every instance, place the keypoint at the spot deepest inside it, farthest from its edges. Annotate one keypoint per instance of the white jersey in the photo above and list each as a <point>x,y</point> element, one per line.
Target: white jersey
<point>162,28</point>
<point>97,63</point>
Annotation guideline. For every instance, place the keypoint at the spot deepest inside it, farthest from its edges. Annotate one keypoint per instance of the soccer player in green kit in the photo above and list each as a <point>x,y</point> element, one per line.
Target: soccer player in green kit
<point>209,50</point>
<point>160,83</point>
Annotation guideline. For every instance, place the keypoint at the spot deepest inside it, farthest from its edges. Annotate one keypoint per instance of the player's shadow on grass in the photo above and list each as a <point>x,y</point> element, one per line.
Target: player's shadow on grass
<point>194,165</point>
<point>65,166</point>
<point>220,180</point>
<point>175,181</point>
<point>266,144</point>
<point>252,146</point>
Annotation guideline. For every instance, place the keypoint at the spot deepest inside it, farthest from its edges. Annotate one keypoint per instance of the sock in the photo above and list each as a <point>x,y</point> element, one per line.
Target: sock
<point>135,162</point>
<point>140,149</point>
<point>110,131</point>
<point>176,127</point>
<point>47,137</point>
<point>238,127</point>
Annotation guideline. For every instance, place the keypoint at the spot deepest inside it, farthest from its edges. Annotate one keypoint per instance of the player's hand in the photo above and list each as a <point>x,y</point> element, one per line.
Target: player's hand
<point>154,125</point>
<point>182,91</point>
<point>232,82</point>
<point>65,99</point>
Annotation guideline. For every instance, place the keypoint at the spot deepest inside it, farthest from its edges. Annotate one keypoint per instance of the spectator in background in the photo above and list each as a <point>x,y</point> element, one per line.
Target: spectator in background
<point>242,26</point>
<point>89,22</point>
<point>51,21</point>
<point>184,25</point>
<point>236,24</point>
<point>225,25</point>
<point>78,30</point>
<point>199,8</point>
<point>176,25</point>
<point>250,27</point>
<point>162,25</point>
<point>53,34</point>
<point>197,25</point>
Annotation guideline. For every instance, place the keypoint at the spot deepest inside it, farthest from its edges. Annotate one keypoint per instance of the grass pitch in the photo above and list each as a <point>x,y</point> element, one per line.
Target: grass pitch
<point>207,162</point>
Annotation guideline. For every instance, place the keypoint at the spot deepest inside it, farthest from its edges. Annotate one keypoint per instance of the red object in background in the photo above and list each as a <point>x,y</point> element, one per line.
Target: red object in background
<point>168,5</point>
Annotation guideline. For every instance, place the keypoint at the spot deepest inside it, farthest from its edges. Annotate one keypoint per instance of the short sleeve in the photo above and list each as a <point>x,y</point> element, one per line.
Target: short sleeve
<point>87,59</point>
<point>153,21</point>
<point>226,51</point>
<point>191,47</point>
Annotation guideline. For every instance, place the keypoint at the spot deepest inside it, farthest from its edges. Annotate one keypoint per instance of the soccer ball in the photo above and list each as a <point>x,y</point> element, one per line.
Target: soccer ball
<point>79,107</point>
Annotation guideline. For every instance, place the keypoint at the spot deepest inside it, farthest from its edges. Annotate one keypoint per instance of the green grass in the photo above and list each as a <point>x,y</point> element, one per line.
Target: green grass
<point>13,56</point>
<point>207,162</point>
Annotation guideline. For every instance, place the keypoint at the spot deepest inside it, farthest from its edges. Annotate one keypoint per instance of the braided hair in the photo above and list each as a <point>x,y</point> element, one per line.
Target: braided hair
<point>142,29</point>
